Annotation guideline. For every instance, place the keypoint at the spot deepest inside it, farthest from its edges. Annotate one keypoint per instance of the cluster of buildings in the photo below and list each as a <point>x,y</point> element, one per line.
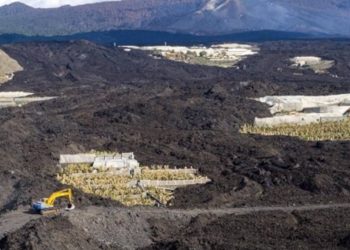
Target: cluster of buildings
<point>229,53</point>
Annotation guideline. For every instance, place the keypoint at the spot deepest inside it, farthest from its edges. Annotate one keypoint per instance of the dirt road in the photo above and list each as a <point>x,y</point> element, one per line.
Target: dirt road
<point>249,210</point>
<point>14,220</point>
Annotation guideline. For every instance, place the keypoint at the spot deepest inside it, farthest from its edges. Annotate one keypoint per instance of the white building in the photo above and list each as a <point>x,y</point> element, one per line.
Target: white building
<point>118,161</point>
<point>124,162</point>
<point>304,109</point>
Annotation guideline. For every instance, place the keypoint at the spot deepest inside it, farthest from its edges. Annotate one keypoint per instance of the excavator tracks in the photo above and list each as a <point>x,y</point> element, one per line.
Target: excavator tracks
<point>51,212</point>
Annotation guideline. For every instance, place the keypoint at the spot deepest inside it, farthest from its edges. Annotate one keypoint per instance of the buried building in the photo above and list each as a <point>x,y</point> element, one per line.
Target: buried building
<point>317,64</point>
<point>303,110</point>
<point>123,163</point>
<point>19,99</point>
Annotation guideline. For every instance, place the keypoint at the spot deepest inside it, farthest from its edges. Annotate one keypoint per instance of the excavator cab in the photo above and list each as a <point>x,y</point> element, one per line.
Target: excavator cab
<point>46,206</point>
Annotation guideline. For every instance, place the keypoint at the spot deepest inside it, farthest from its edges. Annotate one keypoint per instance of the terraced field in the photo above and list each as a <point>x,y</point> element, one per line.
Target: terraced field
<point>126,189</point>
<point>324,131</point>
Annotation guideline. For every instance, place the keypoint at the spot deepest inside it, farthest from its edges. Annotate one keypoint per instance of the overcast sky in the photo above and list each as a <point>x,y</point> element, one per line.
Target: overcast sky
<point>51,3</point>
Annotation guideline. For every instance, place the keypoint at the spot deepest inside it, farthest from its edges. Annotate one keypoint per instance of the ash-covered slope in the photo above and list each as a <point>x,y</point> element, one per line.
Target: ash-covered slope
<point>190,16</point>
<point>48,233</point>
<point>175,114</point>
<point>169,113</point>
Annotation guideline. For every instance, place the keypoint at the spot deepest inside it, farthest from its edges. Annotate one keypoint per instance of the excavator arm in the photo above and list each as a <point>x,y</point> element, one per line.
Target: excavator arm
<point>46,205</point>
<point>65,193</point>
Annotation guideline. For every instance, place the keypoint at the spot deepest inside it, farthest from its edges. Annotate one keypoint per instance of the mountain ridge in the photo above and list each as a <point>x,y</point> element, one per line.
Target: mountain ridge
<point>204,17</point>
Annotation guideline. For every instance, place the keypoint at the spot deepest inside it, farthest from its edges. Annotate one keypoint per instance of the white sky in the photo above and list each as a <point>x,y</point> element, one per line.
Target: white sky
<point>51,3</point>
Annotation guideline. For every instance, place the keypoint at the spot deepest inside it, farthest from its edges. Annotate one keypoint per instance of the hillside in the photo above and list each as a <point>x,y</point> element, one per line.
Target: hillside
<point>187,16</point>
<point>177,114</point>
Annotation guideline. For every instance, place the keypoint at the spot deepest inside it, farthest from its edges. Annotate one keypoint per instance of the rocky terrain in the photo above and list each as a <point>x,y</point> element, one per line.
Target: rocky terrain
<point>186,16</point>
<point>177,114</point>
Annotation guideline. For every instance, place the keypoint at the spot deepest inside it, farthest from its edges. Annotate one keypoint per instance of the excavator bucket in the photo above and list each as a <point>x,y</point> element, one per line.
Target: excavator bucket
<point>70,207</point>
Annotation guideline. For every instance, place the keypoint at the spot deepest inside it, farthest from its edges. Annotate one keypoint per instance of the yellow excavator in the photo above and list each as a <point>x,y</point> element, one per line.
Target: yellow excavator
<point>46,206</point>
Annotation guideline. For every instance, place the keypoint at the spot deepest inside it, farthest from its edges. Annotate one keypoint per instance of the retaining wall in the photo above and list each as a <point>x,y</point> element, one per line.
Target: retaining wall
<point>174,171</point>
<point>168,184</point>
<point>77,158</point>
<point>297,119</point>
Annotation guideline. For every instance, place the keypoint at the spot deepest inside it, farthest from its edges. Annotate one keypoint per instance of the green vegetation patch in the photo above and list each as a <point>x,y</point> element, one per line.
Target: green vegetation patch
<point>333,131</point>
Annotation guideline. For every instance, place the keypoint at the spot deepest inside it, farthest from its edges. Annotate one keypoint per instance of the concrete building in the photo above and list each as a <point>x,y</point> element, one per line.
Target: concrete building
<point>125,163</point>
<point>118,161</point>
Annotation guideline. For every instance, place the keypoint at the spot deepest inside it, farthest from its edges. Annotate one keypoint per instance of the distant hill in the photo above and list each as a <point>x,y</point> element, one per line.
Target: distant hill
<point>206,17</point>
<point>141,37</point>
